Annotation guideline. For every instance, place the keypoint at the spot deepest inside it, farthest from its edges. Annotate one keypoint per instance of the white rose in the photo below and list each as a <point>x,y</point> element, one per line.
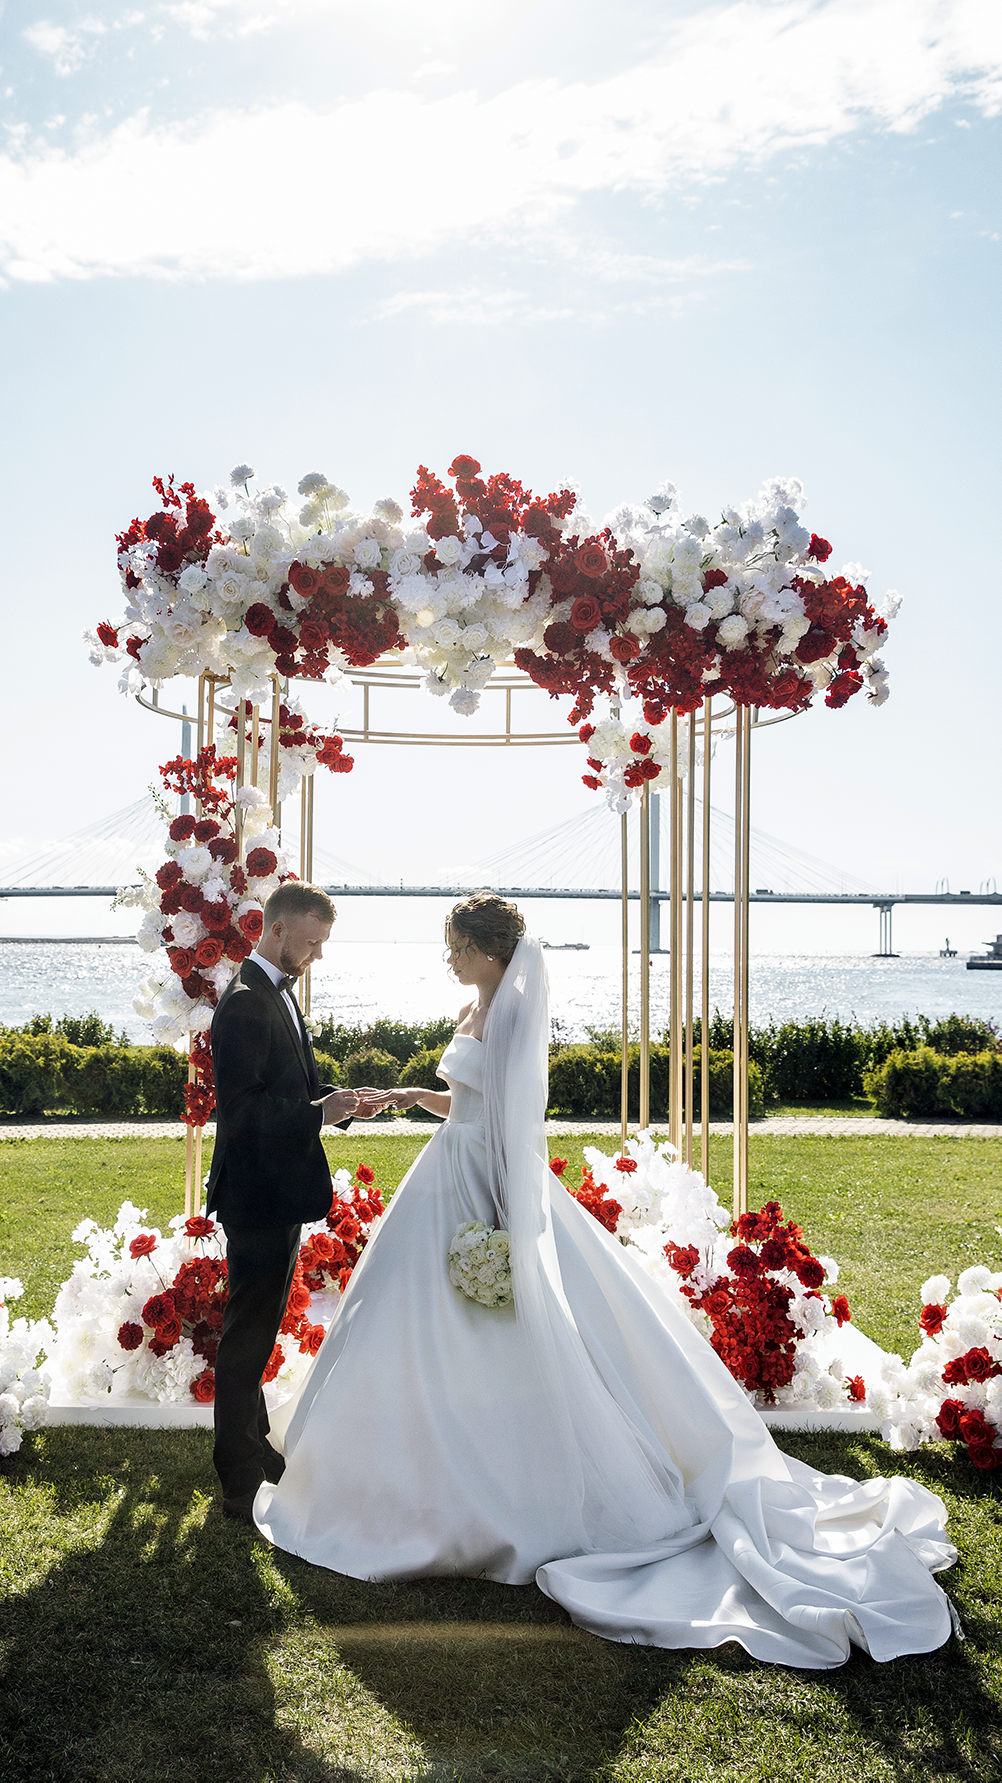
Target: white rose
<point>698,615</point>
<point>368,554</point>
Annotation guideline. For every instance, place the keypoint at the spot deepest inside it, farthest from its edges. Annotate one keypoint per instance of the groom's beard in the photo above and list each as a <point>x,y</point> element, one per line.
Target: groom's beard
<point>291,964</point>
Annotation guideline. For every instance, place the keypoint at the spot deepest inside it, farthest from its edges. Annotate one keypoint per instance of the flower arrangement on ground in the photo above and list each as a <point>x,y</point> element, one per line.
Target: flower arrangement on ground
<point>952,1388</point>
<point>751,1286</point>
<point>142,1312</point>
<point>24,1383</point>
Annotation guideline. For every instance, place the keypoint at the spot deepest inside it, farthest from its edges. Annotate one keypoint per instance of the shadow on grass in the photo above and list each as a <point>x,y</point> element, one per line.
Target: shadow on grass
<point>169,1643</point>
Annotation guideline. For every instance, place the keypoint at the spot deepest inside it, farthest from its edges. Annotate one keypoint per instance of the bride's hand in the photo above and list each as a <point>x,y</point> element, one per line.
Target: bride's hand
<point>372,1102</point>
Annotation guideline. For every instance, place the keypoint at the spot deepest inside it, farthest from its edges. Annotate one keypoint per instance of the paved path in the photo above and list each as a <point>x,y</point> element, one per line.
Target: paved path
<point>836,1127</point>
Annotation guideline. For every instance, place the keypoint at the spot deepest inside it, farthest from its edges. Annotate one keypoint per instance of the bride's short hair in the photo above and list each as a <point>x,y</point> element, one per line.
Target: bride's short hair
<point>489,922</point>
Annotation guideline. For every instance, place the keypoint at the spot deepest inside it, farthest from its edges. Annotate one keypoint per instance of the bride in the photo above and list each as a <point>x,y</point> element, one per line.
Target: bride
<point>583,1435</point>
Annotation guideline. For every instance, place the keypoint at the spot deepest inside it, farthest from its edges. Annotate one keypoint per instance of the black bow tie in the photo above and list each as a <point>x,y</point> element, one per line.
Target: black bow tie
<point>287,984</point>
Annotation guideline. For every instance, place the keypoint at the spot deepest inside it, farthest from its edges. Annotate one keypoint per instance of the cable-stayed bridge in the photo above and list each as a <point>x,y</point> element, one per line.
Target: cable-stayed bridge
<point>577,859</point>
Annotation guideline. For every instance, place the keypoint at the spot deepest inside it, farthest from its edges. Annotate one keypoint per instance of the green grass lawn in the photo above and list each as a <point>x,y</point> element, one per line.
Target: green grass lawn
<point>146,1639</point>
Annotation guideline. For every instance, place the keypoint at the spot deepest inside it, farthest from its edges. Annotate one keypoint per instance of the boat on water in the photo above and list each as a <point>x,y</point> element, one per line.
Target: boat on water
<point>566,946</point>
<point>990,961</point>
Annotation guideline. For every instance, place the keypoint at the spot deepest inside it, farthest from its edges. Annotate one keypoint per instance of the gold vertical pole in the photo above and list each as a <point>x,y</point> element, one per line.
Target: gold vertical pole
<point>302,827</point>
<point>742,859</point>
<point>210,722</point>
<point>624,1085</point>
<point>690,887</point>
<point>197,1175</point>
<point>238,814</point>
<point>276,727</point>
<point>308,785</point>
<point>189,1147</point>
<point>645,958</point>
<point>704,1023</point>
<point>675,953</point>
<point>200,732</point>
<point>738,858</point>
<point>255,741</point>
<point>745,947</point>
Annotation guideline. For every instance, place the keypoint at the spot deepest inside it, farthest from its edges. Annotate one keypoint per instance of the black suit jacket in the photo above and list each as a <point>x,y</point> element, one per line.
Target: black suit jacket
<point>268,1165</point>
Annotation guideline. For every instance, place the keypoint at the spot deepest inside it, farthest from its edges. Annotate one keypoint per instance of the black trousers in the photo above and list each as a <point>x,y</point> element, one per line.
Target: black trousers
<point>261,1261</point>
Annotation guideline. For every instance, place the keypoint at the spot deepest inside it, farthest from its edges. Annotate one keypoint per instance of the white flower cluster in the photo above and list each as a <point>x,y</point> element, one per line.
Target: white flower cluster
<point>479,1263</point>
<point>24,1383</point>
<point>909,1398</point>
<point>665,1202</point>
<point>612,743</point>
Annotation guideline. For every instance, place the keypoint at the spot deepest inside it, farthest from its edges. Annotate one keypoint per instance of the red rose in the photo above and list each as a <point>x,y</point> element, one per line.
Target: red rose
<point>216,916</point>
<point>819,549</point>
<point>955,1372</point>
<point>365,1172</point>
<point>591,560</point>
<point>303,579</point>
<point>182,960</point>
<point>203,1387</point>
<point>585,613</point>
<point>840,1310</point>
<point>311,1339</point>
<point>179,831</point>
<point>624,646</point>
<point>313,634</point>
<point>169,1332</point>
<point>842,689</point>
<point>626,1165</point>
<point>130,1336</point>
<point>107,634</point>
<point>558,1166</point>
<point>683,1258</point>
<point>639,744</point>
<point>948,1419</point>
<point>856,1387</point>
<point>980,1366</point>
<point>260,620</point>
<point>209,952</point>
<point>587,732</point>
<point>261,862</point>
<point>192,986</point>
<point>199,1226</point>
<point>464,466</point>
<point>985,1454</point>
<point>252,923</point>
<point>142,1245</point>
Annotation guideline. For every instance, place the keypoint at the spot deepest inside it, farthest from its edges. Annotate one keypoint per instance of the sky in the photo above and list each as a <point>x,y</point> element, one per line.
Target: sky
<point>712,243</point>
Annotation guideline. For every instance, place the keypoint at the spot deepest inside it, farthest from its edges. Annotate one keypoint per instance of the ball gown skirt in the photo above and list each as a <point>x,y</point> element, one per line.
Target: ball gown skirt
<point>428,1439</point>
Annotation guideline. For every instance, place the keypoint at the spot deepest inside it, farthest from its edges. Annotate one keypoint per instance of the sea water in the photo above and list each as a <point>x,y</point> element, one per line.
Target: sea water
<point>408,981</point>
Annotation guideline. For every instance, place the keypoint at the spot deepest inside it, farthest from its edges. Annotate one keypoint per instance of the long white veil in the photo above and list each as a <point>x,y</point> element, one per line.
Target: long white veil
<point>627,1499</point>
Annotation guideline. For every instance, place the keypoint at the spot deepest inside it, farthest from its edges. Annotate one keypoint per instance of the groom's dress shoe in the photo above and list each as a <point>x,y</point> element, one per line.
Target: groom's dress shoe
<point>273,1464</point>
<point>241,1507</point>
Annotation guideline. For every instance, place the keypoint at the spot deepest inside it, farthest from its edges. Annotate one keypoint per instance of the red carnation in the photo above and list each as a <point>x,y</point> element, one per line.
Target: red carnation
<point>585,613</point>
<point>260,620</point>
<point>626,1165</point>
<point>190,899</point>
<point>624,646</point>
<point>809,1272</point>
<point>179,831</point>
<point>558,1166</point>
<point>856,1387</point>
<point>224,850</point>
<point>216,916</point>
<point>743,1261</point>
<point>170,873</point>
<point>932,1318</point>
<point>203,1387</point>
<point>819,549</point>
<point>158,1309</point>
<point>205,829</point>
<point>561,638</point>
<point>948,1419</point>
<point>130,1336</point>
<point>107,634</point>
<point>591,560</point>
<point>840,1310</point>
<point>209,952</point>
<point>236,945</point>
<point>199,1226</point>
<point>365,1172</point>
<point>260,862</point>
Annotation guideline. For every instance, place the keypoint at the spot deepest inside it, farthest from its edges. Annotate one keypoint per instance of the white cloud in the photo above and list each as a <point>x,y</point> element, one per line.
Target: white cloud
<point>68,49</point>
<point>285,190</point>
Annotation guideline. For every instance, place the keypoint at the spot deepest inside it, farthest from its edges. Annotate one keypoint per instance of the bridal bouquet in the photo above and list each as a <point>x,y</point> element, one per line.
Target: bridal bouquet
<point>479,1263</point>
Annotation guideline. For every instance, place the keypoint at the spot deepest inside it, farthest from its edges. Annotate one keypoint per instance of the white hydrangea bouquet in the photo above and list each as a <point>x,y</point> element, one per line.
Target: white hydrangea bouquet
<point>24,1387</point>
<point>480,1264</point>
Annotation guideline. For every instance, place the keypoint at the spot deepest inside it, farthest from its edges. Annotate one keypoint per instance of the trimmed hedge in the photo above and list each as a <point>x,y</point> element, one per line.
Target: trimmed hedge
<point>401,1039</point>
<point>371,1067</point>
<point>925,1082</point>
<point>44,1071</point>
<point>585,1083</point>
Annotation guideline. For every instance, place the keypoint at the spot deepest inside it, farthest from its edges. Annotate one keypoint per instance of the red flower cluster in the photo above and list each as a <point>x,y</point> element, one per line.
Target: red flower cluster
<point>966,1424</point>
<point>199,778</point>
<point>362,626</point>
<point>601,1207</point>
<point>558,1166</point>
<point>976,1365</point>
<point>179,537</point>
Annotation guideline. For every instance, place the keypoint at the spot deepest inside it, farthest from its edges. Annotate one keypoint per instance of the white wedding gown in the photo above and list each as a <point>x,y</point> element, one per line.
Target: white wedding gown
<point>434,1436</point>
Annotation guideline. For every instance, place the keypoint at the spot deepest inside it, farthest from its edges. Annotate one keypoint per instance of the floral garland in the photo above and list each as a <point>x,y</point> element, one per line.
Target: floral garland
<point>650,606</point>
<point>952,1388</point>
<point>142,1313</point>
<point>759,1302</point>
<point>24,1384</point>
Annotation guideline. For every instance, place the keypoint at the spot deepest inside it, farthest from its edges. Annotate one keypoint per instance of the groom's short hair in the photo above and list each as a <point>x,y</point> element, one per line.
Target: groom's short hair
<point>295,899</point>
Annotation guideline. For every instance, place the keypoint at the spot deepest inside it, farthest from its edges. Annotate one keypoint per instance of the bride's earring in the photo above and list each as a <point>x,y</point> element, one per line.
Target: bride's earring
<point>490,956</point>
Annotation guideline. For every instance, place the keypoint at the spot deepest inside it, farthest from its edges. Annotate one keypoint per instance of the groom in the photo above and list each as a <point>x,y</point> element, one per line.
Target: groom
<point>269,1170</point>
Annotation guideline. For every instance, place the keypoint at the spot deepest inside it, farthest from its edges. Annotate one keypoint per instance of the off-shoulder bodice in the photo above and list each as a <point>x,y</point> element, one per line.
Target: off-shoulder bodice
<point>462,1066</point>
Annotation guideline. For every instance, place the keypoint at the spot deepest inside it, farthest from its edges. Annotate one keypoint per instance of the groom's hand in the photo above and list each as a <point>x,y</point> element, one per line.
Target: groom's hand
<point>372,1101</point>
<point>340,1105</point>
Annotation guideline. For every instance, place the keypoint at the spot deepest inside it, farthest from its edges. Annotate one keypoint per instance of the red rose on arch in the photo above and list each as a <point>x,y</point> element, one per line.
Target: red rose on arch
<point>591,560</point>
<point>464,466</point>
<point>558,1166</point>
<point>955,1372</point>
<point>311,1339</point>
<point>203,1387</point>
<point>303,579</point>
<point>586,613</point>
<point>624,646</point>
<point>142,1245</point>
<point>130,1336</point>
<point>985,1454</point>
<point>819,549</point>
<point>948,1419</point>
<point>209,952</point>
<point>252,923</point>
<point>980,1366</point>
<point>182,961</point>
